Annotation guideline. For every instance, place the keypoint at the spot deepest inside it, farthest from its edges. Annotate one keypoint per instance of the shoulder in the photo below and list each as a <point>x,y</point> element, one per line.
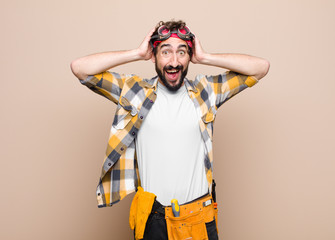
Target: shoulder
<point>201,81</point>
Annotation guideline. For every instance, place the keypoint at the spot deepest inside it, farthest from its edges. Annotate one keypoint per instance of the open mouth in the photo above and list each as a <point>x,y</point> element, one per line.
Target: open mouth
<point>173,74</point>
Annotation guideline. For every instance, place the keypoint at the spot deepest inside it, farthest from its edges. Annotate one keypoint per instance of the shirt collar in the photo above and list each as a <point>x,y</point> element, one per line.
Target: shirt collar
<point>190,85</point>
<point>152,83</point>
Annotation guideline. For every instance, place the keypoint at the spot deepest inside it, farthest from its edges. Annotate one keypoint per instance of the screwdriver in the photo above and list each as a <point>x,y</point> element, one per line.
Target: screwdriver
<point>175,207</point>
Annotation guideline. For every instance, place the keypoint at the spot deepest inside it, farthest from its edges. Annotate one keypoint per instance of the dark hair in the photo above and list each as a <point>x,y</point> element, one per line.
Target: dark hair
<point>171,25</point>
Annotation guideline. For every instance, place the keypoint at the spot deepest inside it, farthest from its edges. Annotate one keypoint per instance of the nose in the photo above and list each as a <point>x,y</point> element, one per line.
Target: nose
<point>174,60</point>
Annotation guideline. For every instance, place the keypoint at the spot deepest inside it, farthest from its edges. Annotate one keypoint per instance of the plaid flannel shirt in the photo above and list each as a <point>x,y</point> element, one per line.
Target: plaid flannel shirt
<point>134,98</point>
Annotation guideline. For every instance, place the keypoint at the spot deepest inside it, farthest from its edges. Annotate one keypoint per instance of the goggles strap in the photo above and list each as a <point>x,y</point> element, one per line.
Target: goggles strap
<point>189,42</point>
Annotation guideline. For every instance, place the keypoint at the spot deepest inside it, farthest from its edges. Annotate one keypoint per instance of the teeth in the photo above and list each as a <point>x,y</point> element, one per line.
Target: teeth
<point>172,71</point>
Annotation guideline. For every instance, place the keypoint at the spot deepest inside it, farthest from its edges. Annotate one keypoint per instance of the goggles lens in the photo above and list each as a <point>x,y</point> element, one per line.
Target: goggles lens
<point>163,31</point>
<point>185,31</point>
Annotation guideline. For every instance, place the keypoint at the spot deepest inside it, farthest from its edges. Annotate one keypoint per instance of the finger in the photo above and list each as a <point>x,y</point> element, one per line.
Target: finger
<point>197,43</point>
<point>151,32</point>
<point>148,36</point>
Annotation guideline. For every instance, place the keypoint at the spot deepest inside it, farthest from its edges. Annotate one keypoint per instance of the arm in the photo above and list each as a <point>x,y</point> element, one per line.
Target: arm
<point>240,63</point>
<point>101,62</point>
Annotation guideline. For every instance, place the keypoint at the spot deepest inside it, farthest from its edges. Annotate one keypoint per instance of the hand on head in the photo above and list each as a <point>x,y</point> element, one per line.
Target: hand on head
<point>198,51</point>
<point>145,50</point>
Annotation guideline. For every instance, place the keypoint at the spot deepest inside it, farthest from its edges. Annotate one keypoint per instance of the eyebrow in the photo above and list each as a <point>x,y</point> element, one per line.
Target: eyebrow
<point>182,45</point>
<point>169,45</point>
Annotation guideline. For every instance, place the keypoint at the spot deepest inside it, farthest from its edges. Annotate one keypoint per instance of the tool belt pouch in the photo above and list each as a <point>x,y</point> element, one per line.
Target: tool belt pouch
<point>140,210</point>
<point>191,222</point>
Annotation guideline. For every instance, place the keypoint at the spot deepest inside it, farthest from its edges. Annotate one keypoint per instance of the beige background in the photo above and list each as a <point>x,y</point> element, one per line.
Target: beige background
<point>274,143</point>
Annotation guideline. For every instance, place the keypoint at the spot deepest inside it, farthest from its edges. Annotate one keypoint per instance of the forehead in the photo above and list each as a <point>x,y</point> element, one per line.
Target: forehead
<point>173,42</point>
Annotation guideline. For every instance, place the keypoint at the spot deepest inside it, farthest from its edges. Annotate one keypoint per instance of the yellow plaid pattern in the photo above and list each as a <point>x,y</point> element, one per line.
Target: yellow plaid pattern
<point>134,97</point>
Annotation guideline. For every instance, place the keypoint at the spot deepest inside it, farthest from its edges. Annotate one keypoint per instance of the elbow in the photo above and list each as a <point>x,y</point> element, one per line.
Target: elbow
<point>75,68</point>
<point>264,67</point>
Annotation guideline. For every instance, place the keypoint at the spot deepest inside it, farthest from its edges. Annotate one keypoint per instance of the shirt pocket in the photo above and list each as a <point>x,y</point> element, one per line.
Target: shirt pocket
<point>124,113</point>
<point>208,120</point>
<point>209,116</point>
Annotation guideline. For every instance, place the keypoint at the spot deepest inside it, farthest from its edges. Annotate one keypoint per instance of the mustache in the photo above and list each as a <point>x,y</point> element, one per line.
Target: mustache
<point>179,67</point>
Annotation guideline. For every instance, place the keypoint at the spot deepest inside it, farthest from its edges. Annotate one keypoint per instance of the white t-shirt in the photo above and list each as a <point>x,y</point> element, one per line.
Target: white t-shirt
<point>170,149</point>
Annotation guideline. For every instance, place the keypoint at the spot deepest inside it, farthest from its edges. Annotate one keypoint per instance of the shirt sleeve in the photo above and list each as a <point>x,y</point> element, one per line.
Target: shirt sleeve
<point>229,84</point>
<point>106,84</point>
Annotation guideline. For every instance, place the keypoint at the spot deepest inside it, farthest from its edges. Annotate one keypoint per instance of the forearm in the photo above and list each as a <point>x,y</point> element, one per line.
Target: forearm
<point>241,63</point>
<point>100,62</point>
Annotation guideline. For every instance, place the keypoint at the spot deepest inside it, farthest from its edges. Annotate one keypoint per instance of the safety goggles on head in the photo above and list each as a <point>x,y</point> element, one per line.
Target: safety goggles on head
<point>164,33</point>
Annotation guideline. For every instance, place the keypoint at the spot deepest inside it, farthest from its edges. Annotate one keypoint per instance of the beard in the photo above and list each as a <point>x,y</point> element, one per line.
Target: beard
<point>165,82</point>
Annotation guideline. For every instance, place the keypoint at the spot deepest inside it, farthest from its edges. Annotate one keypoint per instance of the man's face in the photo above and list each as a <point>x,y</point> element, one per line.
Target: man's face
<point>171,62</point>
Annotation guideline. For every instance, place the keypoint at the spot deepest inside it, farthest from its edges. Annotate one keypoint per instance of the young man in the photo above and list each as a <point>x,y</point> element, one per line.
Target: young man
<point>161,138</point>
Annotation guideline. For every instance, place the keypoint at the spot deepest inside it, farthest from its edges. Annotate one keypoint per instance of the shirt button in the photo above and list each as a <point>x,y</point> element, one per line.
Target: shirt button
<point>98,194</point>
<point>141,117</point>
<point>122,149</point>
<point>151,101</point>
<point>109,164</point>
<point>133,133</point>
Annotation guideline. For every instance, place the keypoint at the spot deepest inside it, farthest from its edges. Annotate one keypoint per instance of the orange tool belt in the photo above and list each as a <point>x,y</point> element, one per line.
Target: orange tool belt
<point>189,225</point>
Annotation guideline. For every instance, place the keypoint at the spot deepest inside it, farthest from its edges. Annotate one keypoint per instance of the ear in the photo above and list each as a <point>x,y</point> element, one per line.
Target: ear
<point>153,58</point>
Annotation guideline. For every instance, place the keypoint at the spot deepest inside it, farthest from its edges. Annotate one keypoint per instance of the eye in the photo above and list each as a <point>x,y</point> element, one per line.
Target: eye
<point>181,52</point>
<point>165,52</point>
